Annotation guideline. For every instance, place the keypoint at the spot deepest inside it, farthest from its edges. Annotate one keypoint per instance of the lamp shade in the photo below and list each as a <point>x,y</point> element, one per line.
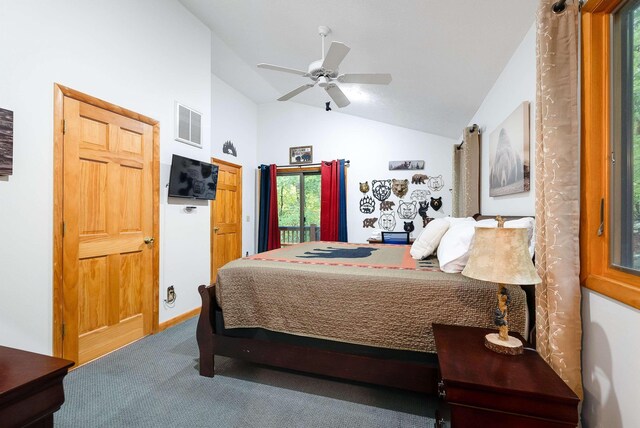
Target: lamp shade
<point>501,254</point>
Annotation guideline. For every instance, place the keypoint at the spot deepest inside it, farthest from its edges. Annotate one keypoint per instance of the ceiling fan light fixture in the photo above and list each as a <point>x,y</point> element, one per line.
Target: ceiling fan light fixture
<point>323,82</point>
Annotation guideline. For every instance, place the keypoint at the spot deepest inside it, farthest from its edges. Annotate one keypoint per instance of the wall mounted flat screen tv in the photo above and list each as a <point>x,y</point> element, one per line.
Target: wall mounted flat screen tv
<point>190,178</point>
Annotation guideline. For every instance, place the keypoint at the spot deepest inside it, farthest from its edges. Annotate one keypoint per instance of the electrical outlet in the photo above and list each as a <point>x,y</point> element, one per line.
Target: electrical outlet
<point>171,295</point>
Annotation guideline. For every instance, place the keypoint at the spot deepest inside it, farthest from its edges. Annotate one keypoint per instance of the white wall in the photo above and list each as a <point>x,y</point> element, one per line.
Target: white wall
<point>369,145</point>
<point>142,55</point>
<point>610,362</point>
<point>517,83</point>
<point>235,118</point>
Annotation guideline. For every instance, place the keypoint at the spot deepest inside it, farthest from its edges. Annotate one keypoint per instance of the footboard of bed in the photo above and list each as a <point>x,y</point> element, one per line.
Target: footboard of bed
<point>412,376</point>
<point>406,375</point>
<point>206,329</point>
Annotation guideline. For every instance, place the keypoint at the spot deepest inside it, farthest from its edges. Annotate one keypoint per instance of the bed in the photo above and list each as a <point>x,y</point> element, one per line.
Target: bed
<point>360,312</point>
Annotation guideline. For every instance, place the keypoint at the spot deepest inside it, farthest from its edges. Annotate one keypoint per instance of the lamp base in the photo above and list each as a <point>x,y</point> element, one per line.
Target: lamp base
<point>512,346</point>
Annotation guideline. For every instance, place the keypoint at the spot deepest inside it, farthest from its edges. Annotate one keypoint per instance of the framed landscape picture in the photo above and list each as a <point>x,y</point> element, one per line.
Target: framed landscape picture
<point>406,165</point>
<point>301,154</point>
<point>6,142</point>
<point>509,154</point>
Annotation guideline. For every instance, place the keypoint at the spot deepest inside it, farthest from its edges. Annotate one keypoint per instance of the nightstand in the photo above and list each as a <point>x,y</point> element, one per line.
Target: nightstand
<point>484,388</point>
<point>30,388</point>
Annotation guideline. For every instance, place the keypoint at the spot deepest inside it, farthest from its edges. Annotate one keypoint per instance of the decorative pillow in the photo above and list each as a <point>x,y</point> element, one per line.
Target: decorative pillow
<point>429,239</point>
<point>453,251</point>
<point>528,223</point>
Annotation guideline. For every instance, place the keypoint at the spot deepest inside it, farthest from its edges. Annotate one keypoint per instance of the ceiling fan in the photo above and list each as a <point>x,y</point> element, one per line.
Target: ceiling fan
<point>324,72</point>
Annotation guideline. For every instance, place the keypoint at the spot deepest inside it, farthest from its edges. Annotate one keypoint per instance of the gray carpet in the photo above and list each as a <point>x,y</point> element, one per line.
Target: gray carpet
<point>155,383</point>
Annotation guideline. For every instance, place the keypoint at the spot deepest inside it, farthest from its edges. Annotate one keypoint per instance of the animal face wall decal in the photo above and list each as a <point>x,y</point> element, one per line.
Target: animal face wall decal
<point>424,206</point>
<point>387,205</point>
<point>419,178</point>
<point>364,187</point>
<point>409,227</point>
<point>407,210</point>
<point>369,222</point>
<point>436,183</point>
<point>436,203</point>
<point>381,189</point>
<point>400,187</point>
<point>387,221</point>
<point>229,149</point>
<point>426,220</point>
<point>420,195</point>
<point>367,205</point>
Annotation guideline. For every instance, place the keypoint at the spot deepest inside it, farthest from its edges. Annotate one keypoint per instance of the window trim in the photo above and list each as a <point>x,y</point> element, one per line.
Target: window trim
<point>596,271</point>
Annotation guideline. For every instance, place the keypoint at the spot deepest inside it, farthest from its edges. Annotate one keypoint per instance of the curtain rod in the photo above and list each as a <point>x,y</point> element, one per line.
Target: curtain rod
<point>304,165</point>
<point>473,129</point>
<point>560,5</point>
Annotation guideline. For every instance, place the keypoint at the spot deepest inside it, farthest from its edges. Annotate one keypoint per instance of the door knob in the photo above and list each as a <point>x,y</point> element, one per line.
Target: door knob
<point>215,229</point>
<point>149,240</point>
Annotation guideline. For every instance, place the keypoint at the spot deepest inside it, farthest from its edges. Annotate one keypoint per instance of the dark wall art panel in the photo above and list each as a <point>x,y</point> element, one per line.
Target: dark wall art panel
<point>6,142</point>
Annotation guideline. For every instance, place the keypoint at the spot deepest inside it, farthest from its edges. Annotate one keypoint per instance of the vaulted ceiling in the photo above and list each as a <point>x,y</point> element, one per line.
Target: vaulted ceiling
<point>444,55</point>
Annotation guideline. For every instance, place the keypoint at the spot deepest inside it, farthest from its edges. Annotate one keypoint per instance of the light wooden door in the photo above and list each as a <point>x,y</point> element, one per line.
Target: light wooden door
<point>108,214</point>
<point>226,217</point>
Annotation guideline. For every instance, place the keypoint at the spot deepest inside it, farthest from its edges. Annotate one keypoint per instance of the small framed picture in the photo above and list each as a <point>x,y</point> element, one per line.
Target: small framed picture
<point>302,154</point>
<point>406,165</point>
<point>6,142</point>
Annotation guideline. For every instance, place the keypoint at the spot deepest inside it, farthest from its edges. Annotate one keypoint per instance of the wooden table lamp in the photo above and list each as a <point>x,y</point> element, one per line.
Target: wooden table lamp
<point>501,255</point>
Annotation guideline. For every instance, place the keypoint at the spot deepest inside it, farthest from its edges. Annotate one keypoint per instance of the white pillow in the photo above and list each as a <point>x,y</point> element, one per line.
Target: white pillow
<point>457,220</point>
<point>528,223</point>
<point>429,239</point>
<point>453,251</point>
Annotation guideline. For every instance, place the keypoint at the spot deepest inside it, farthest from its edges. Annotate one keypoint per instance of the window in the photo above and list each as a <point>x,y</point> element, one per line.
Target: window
<point>625,160</point>
<point>299,206</point>
<point>610,185</point>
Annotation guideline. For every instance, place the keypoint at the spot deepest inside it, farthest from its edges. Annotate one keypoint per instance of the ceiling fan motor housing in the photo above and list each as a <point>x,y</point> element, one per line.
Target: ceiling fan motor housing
<point>316,70</point>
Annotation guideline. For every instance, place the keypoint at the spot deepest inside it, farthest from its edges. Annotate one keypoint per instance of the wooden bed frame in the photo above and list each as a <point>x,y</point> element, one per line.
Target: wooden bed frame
<point>408,375</point>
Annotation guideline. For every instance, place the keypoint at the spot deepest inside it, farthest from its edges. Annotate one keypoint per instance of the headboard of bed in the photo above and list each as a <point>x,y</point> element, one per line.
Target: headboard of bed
<point>506,217</point>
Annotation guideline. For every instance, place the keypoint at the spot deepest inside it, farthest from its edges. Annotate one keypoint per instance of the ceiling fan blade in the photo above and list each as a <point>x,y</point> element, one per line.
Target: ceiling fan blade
<point>337,96</point>
<point>368,78</point>
<point>337,52</point>
<point>296,91</point>
<point>285,69</point>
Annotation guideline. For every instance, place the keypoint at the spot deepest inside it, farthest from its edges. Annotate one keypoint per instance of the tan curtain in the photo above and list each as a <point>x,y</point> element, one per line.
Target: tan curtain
<point>558,325</point>
<point>466,174</point>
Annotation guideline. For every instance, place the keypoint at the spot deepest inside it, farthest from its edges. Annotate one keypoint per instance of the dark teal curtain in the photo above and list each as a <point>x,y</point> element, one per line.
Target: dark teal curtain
<point>268,230</point>
<point>342,204</point>
<point>263,219</point>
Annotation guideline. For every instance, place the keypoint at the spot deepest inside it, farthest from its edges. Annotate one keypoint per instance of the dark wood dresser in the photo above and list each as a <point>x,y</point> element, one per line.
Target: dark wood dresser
<point>484,388</point>
<point>30,388</point>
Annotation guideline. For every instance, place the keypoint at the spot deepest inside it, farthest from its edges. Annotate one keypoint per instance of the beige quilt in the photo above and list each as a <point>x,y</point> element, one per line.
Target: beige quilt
<point>373,295</point>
